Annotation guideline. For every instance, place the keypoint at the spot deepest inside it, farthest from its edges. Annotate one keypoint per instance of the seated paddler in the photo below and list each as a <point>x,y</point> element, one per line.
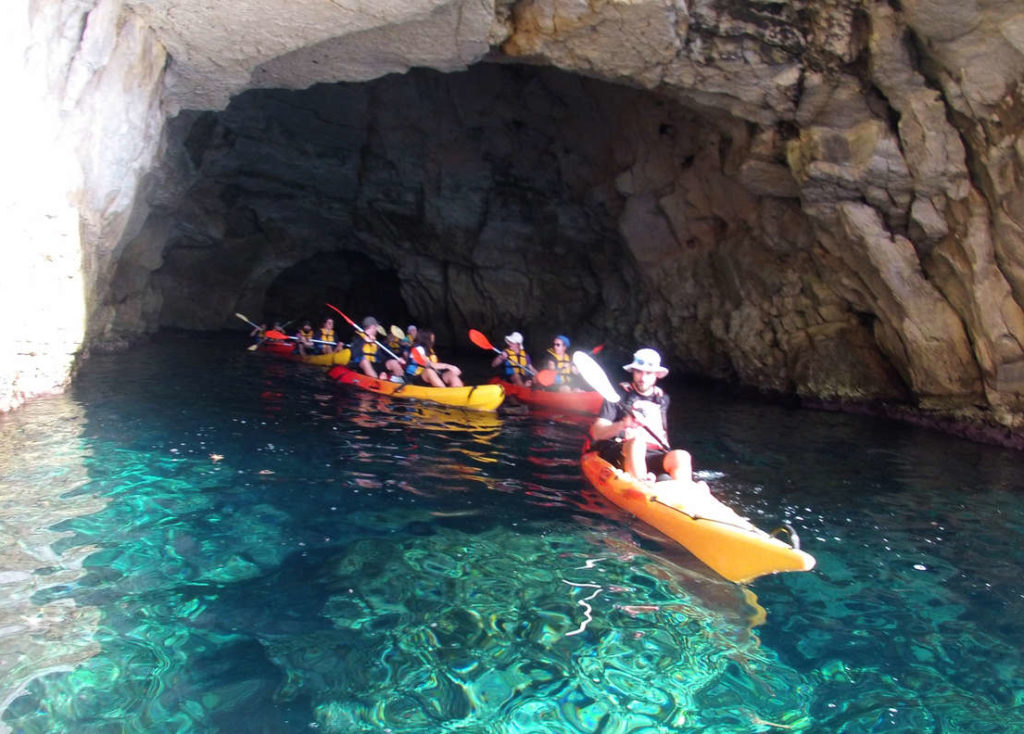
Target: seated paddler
<point>632,434</point>
<point>423,365</point>
<point>518,368</point>
<point>304,339</point>
<point>557,360</point>
<point>328,342</point>
<point>366,354</point>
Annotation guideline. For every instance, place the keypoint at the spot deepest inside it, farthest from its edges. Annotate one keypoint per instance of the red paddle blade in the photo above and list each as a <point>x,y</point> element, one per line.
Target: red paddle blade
<point>419,357</point>
<point>597,349</point>
<point>480,340</point>
<point>546,377</point>
<point>272,334</point>
<point>342,313</point>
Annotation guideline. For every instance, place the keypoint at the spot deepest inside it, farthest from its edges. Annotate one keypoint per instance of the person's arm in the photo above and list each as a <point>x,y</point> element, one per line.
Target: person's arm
<point>604,429</point>
<point>610,422</point>
<point>499,359</point>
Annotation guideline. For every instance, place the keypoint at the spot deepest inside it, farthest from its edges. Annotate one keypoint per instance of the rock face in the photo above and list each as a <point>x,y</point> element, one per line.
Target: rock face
<point>816,198</point>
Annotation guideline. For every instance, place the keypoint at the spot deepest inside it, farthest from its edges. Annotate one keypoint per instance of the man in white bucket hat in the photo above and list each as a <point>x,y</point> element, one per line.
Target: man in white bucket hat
<point>621,439</point>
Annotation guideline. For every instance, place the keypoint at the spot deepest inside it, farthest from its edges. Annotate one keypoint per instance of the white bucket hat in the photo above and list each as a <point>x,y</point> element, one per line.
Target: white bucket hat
<point>514,338</point>
<point>646,360</point>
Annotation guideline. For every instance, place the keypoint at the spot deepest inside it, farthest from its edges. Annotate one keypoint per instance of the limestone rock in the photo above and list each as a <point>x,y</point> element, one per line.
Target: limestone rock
<point>816,198</point>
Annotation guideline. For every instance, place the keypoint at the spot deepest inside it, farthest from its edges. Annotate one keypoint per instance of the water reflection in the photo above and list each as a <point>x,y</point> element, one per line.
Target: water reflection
<point>237,545</point>
<point>42,628</point>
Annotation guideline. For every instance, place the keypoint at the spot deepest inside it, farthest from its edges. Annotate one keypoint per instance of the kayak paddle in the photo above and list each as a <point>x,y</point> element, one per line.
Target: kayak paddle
<point>251,347</point>
<point>358,328</point>
<point>243,317</point>
<point>478,338</point>
<point>546,377</point>
<point>417,356</point>
<point>281,336</point>
<point>591,372</point>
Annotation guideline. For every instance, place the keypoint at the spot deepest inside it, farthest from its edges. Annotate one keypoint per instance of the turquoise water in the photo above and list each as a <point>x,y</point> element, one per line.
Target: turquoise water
<point>199,539</point>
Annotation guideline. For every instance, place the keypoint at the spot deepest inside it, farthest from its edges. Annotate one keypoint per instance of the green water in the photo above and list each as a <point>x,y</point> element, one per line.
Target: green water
<point>353,564</point>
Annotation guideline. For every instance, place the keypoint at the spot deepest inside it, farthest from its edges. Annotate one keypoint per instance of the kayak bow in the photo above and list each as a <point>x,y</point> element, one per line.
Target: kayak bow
<point>725,541</point>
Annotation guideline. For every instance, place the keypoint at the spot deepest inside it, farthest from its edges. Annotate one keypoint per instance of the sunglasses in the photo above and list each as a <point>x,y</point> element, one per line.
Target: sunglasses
<point>559,344</point>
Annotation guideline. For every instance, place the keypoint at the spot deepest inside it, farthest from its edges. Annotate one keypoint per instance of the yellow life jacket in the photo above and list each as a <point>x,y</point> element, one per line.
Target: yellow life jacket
<point>327,335</point>
<point>516,362</point>
<point>306,333</point>
<point>362,348</point>
<point>563,363</point>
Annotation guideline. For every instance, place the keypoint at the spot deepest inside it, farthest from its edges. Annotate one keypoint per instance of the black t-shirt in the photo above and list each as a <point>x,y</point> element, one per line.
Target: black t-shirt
<point>651,409</point>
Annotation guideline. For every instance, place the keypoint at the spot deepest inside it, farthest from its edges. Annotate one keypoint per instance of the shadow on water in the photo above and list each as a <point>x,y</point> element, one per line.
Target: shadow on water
<point>221,542</point>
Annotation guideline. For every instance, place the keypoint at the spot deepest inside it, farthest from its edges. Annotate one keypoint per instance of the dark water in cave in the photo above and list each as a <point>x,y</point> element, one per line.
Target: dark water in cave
<point>353,564</point>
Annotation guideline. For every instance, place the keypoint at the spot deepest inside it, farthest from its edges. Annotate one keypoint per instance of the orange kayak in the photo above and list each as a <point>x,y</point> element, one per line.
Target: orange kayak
<point>575,402</point>
<point>726,542</point>
<point>473,397</point>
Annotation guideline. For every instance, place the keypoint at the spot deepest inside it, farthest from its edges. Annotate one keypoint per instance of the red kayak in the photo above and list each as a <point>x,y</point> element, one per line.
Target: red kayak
<point>280,349</point>
<point>573,402</point>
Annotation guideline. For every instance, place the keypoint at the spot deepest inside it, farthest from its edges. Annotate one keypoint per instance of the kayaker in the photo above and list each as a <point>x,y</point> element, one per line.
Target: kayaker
<point>258,334</point>
<point>365,351</point>
<point>410,334</point>
<point>558,360</point>
<point>438,374</point>
<point>326,335</point>
<point>518,368</point>
<point>304,339</point>
<point>621,439</point>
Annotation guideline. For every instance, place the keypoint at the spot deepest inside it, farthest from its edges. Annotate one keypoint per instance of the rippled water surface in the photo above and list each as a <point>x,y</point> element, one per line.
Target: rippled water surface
<point>200,539</point>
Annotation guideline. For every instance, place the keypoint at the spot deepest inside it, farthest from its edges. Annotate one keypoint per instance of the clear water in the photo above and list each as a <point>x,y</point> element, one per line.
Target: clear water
<point>353,564</point>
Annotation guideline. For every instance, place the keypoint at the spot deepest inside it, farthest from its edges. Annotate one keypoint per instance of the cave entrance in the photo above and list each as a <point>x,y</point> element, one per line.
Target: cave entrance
<point>483,199</point>
<point>349,280</point>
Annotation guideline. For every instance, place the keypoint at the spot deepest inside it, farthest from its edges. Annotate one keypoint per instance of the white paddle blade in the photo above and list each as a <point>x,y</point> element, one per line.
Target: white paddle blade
<point>591,372</point>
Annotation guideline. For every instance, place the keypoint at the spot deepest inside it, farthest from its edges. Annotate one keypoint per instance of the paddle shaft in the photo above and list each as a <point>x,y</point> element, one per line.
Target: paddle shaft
<point>360,329</point>
<point>315,341</point>
<point>244,318</point>
<point>478,338</point>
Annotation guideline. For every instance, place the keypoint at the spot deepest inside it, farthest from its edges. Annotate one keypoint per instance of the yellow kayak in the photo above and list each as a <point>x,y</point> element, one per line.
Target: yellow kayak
<point>726,542</point>
<point>473,397</point>
<point>286,350</point>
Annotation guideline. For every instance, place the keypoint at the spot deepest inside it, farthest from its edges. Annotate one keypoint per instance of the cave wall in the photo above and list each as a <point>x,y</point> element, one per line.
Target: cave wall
<point>82,126</point>
<point>830,204</point>
<point>489,192</point>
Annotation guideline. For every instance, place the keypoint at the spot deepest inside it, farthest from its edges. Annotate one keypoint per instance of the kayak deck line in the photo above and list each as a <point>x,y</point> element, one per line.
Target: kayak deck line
<point>723,540</point>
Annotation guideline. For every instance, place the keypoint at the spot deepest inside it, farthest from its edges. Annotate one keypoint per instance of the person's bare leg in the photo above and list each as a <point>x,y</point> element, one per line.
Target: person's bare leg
<point>432,377</point>
<point>451,379</point>
<point>679,465</point>
<point>634,457</point>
